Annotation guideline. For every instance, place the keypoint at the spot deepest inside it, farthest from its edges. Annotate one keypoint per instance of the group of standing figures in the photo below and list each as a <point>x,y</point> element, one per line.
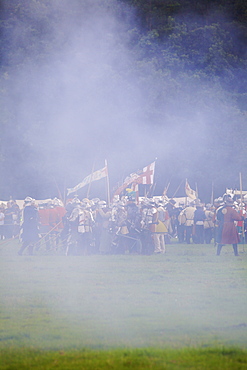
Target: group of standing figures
<point>225,222</point>
<point>92,227</point>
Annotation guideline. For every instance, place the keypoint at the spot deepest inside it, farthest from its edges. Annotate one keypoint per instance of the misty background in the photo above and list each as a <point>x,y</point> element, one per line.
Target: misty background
<point>127,81</point>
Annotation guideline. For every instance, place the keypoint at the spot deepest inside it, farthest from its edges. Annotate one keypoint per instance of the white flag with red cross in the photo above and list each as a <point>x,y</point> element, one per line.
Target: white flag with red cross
<point>145,177</point>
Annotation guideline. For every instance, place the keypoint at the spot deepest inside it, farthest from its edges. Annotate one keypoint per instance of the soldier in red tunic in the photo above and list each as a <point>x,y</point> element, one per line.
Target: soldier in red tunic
<point>227,231</point>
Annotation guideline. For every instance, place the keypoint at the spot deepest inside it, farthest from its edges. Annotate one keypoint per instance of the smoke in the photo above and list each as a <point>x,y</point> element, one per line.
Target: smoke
<point>81,83</point>
<point>80,93</point>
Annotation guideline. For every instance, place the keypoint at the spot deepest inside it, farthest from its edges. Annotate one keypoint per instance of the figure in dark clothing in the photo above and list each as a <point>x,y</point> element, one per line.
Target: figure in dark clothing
<point>30,232</point>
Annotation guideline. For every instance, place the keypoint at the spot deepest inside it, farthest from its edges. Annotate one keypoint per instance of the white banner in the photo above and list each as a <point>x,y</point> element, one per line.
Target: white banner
<point>97,175</point>
<point>189,192</point>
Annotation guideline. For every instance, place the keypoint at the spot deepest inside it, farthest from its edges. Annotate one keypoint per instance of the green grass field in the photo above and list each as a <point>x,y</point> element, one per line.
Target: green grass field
<point>185,309</point>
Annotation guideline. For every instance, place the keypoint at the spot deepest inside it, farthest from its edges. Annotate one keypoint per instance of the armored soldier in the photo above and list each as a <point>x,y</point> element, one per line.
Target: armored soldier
<point>30,231</point>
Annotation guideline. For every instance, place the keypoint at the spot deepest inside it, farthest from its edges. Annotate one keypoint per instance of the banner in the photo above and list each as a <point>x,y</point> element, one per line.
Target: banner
<point>97,175</point>
<point>145,177</point>
<point>235,192</point>
<point>129,180</point>
<point>189,192</point>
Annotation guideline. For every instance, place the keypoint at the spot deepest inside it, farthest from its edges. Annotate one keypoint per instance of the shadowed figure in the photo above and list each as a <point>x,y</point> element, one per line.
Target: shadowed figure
<point>30,231</point>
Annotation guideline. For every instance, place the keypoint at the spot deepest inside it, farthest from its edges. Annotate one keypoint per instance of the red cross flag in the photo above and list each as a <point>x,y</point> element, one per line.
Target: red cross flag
<point>147,175</point>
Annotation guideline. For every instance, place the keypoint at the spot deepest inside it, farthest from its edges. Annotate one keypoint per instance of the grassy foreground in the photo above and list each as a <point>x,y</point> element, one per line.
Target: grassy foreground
<point>210,359</point>
<point>185,309</point>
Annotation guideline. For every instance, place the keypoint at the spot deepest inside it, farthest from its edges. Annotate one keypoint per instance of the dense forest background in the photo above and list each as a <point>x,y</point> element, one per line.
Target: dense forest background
<point>124,80</point>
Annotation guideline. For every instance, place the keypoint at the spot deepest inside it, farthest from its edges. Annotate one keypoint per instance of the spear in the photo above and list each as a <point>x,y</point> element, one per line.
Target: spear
<point>166,189</point>
<point>107,183</point>
<point>177,188</point>
<point>212,194</point>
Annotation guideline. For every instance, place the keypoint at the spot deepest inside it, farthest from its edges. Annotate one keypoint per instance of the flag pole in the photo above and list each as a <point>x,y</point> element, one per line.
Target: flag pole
<point>151,191</point>
<point>107,183</point>
<point>212,193</point>
<point>166,190</point>
<point>241,208</point>
<point>153,185</point>
<point>89,185</point>
<point>197,191</point>
<point>145,192</point>
<point>64,192</point>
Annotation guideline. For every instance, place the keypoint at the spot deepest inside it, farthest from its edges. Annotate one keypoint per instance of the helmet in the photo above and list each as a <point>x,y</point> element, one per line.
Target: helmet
<point>102,204</point>
<point>145,202</point>
<point>227,199</point>
<point>219,200</point>
<point>57,202</point>
<point>86,203</point>
<point>83,205</point>
<point>76,200</point>
<point>115,198</point>
<point>95,201</point>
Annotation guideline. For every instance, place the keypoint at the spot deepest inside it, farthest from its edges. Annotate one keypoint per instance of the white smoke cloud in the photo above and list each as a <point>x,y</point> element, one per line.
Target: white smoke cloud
<point>80,94</point>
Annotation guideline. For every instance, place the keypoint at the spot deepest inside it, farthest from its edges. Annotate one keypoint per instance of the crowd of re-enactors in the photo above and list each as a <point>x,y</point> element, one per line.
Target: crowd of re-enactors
<point>126,226</point>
